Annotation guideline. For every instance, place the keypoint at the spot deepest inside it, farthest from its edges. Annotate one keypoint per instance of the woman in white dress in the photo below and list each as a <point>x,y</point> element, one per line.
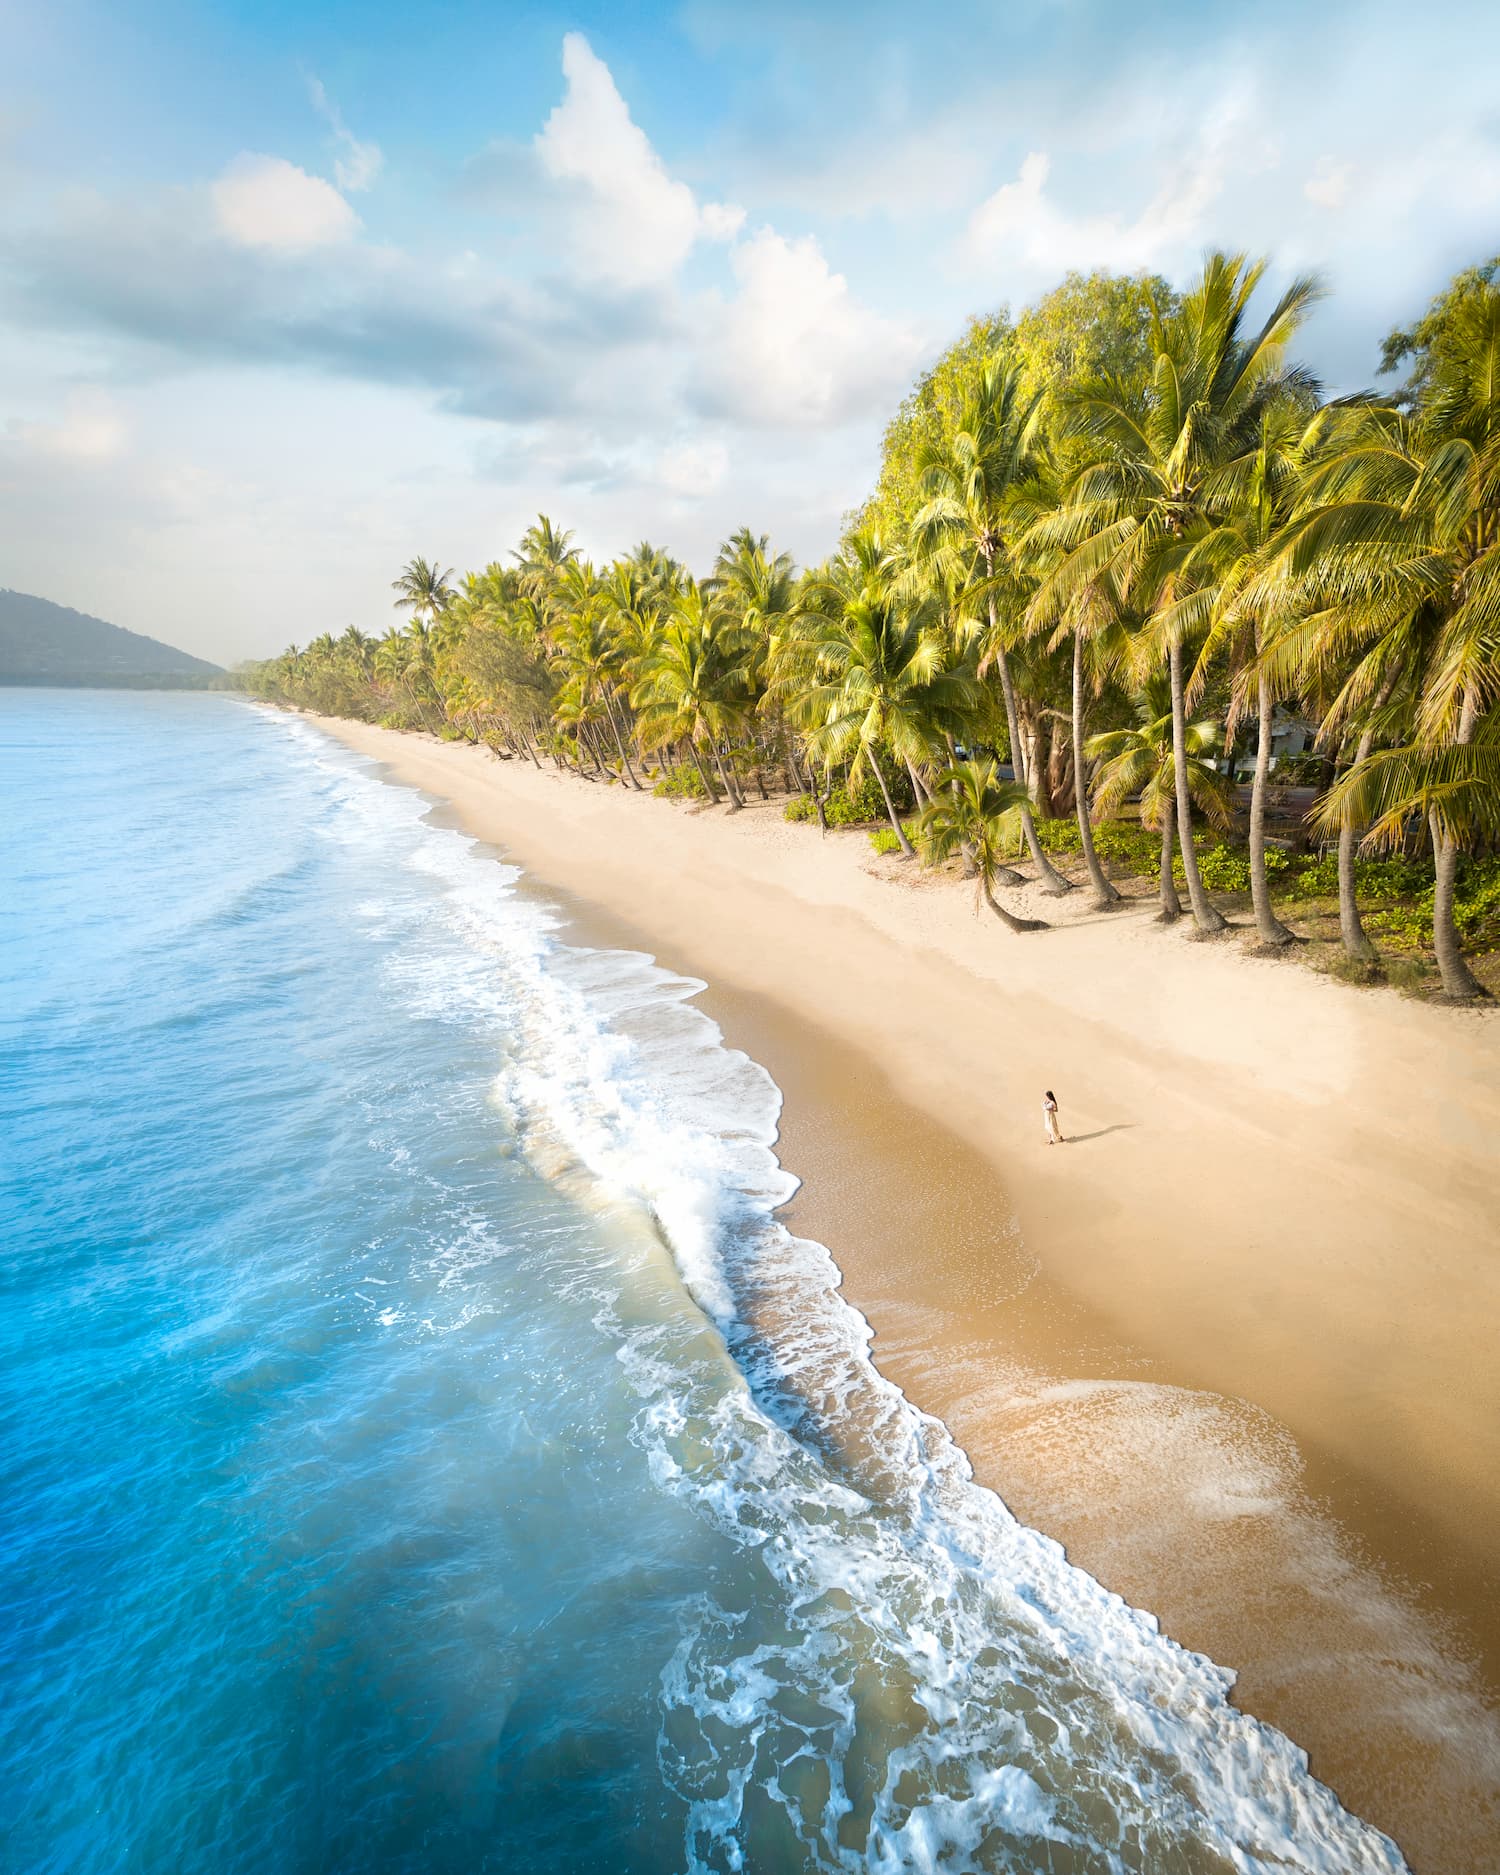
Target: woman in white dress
<point>1049,1118</point>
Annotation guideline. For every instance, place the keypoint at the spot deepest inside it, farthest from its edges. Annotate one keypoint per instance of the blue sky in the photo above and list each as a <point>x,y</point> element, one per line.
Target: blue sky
<point>291,292</point>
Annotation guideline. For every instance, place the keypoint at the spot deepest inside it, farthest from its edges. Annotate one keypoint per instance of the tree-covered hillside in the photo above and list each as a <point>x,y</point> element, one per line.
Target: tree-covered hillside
<point>43,643</point>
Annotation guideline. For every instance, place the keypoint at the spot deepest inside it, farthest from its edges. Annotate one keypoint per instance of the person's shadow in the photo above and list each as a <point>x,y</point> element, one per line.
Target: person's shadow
<point>1082,1139</point>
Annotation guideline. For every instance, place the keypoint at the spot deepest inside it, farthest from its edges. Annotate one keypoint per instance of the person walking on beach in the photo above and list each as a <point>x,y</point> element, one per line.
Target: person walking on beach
<point>1049,1118</point>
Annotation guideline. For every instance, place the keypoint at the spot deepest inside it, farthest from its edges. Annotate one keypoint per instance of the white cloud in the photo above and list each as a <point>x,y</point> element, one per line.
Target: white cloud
<point>267,202</point>
<point>1328,185</point>
<point>92,428</point>
<point>636,224</point>
<point>794,346</point>
<point>1022,223</point>
<point>357,164</point>
<point>692,469</point>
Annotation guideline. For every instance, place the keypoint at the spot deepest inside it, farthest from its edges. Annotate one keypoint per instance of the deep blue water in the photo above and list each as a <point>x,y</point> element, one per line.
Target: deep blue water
<point>420,1449</point>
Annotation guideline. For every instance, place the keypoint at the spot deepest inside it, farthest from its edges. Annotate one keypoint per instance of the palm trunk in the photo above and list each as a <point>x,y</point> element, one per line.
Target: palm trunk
<point>1105,894</point>
<point>908,851</point>
<point>1351,926</point>
<point>735,803</point>
<point>1272,931</point>
<point>1008,918</point>
<point>706,777</point>
<point>1460,985</point>
<point>1053,883</point>
<point>920,794</point>
<point>1205,916</point>
<point>620,742</point>
<point>1171,905</point>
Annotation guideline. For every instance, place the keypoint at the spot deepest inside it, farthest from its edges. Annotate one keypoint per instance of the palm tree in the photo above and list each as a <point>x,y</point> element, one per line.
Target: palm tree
<point>976,812</point>
<point>587,657</point>
<point>1142,512</point>
<point>879,676</point>
<point>990,450</point>
<point>421,588</point>
<point>1142,760</point>
<point>544,551</point>
<point>1252,497</point>
<point>690,685</point>
<point>1404,528</point>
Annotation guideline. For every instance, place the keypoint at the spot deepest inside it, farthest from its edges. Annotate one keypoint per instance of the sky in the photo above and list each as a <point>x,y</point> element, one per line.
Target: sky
<point>292,292</point>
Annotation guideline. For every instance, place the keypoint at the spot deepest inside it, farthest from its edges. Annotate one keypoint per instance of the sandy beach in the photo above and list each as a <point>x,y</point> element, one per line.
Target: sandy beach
<point>1233,1344</point>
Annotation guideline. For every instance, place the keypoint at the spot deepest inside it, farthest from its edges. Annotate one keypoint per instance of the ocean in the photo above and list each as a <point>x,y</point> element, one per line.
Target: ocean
<point>423,1447</point>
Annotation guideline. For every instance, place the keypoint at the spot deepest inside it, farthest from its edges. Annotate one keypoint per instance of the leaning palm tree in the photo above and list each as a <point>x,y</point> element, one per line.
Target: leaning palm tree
<point>976,813</point>
<point>880,677</point>
<point>1141,760</point>
<point>1144,509</point>
<point>422,588</point>
<point>991,448</point>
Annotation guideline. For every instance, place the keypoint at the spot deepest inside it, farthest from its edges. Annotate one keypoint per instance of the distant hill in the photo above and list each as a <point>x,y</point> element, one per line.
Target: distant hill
<point>43,643</point>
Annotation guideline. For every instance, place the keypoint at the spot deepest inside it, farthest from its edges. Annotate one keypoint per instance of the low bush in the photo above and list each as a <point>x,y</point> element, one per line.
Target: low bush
<point>1059,836</point>
<point>681,784</point>
<point>844,806</point>
<point>1128,845</point>
<point>884,840</point>
<point>1224,868</point>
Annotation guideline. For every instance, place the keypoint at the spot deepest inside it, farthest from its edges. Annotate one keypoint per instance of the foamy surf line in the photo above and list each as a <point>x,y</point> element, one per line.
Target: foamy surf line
<point>1018,1701</point>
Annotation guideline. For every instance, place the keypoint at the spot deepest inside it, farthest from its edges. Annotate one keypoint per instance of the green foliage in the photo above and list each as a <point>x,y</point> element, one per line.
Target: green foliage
<point>1373,878</point>
<point>851,807</point>
<point>884,840</point>
<point>1224,868</point>
<point>1059,836</point>
<point>681,784</point>
<point>1427,343</point>
<point>1128,845</point>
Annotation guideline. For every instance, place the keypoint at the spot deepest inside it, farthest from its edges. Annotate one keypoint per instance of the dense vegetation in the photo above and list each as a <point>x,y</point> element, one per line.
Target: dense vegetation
<point>1113,544</point>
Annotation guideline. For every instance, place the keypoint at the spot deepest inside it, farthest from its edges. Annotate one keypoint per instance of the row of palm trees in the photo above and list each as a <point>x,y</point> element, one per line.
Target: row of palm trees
<point>1087,574</point>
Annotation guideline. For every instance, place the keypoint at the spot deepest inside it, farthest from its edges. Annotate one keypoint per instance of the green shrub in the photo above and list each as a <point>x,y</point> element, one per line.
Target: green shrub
<point>681,784</point>
<point>850,807</point>
<point>800,807</point>
<point>1059,836</point>
<point>1223,868</point>
<point>1128,845</point>
<point>884,840</point>
<point>1476,907</point>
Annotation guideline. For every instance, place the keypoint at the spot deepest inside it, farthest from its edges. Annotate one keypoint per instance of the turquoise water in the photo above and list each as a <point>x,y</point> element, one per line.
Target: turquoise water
<point>422,1448</point>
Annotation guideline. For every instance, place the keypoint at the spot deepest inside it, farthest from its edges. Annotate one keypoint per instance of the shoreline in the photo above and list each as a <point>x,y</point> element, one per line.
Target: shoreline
<point>1175,1404</point>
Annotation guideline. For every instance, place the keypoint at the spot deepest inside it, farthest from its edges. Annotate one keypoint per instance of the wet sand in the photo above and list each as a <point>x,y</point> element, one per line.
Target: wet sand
<point>1239,1361</point>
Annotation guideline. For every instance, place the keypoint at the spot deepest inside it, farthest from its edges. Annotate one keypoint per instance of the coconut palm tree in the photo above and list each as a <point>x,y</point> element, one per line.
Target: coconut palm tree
<point>422,589</point>
<point>1252,497</point>
<point>1140,511</point>
<point>971,473</point>
<point>1141,760</point>
<point>691,686</point>
<point>1404,525</point>
<point>976,812</point>
<point>879,674</point>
